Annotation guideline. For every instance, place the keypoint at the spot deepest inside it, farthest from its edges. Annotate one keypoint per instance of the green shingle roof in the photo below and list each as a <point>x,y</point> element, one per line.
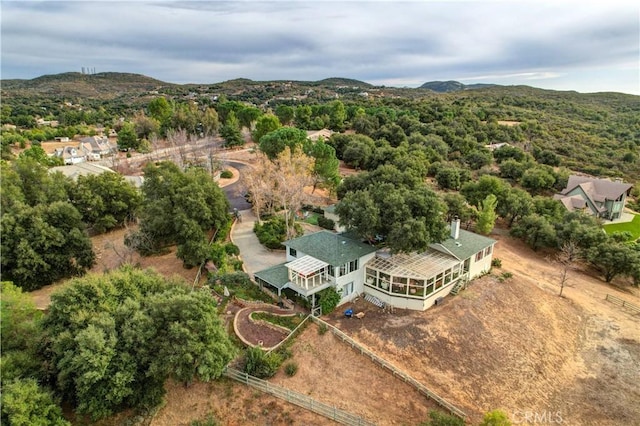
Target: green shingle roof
<point>331,248</point>
<point>277,276</point>
<point>467,244</point>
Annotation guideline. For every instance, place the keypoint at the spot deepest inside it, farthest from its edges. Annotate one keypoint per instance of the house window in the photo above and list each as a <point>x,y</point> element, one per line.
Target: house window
<point>347,289</point>
<point>353,265</point>
<point>331,270</point>
<point>487,251</point>
<point>479,256</point>
<point>293,252</point>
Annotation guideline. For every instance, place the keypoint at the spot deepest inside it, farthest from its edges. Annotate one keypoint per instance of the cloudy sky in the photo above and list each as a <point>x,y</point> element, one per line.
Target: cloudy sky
<point>588,46</point>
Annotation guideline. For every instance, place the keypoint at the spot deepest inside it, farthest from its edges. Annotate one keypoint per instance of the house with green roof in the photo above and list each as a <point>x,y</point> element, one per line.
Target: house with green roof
<point>403,280</point>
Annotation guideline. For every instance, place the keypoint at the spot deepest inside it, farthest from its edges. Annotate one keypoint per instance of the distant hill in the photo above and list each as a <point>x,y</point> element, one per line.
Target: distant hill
<point>339,81</point>
<point>452,86</point>
<point>102,85</point>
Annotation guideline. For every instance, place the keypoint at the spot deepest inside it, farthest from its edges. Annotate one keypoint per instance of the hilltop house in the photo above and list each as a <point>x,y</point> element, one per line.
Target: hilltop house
<point>410,281</point>
<point>600,197</point>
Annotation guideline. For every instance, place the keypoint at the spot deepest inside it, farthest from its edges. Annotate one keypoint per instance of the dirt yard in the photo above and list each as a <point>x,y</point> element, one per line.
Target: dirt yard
<point>517,346</point>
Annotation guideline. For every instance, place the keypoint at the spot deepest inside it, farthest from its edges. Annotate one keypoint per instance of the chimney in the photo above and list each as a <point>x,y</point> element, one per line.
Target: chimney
<point>455,228</point>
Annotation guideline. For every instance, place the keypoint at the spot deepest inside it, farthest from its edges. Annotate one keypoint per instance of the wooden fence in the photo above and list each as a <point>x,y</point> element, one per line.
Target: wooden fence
<point>395,371</point>
<point>623,303</point>
<point>301,400</point>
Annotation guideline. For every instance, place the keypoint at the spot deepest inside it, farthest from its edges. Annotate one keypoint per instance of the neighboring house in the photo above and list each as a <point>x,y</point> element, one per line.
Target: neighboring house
<point>314,135</point>
<point>70,155</point>
<point>409,281</point>
<point>61,139</point>
<point>493,146</point>
<point>96,147</point>
<point>599,197</point>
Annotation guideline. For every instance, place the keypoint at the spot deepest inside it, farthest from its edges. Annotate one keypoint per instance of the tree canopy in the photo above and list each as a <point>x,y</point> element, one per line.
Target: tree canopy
<point>114,340</point>
<point>179,208</point>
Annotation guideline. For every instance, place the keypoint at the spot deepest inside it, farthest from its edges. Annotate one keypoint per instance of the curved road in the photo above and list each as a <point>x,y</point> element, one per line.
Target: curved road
<point>235,192</point>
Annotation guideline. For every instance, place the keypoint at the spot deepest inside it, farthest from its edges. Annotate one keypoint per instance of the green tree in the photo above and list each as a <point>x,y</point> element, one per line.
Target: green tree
<point>457,206</point>
<point>536,231</point>
<point>448,178</point>
<point>160,109</point>
<point>127,137</point>
<point>337,115</point>
<point>495,418</point>
<point>612,258</point>
<point>248,115</point>
<point>303,117</point>
<point>273,143</point>
<point>325,166</point>
<point>210,122</point>
<point>265,124</point>
<point>25,403</point>
<point>105,201</point>
<point>114,339</point>
<point>329,299</point>
<point>43,244</point>
<point>285,114</point>
<point>487,215</point>
<point>517,204</point>
<point>475,192</point>
<point>37,153</point>
<point>178,208</point>
<point>230,131</point>
<point>537,179</point>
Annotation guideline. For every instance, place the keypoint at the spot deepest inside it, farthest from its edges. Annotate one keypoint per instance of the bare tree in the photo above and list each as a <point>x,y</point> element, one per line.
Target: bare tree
<point>178,140</point>
<point>294,172</point>
<point>260,182</point>
<point>567,258</point>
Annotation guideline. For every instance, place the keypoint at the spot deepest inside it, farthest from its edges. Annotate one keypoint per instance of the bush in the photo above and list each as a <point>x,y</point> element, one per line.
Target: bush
<point>272,232</point>
<point>505,276</point>
<point>231,249</point>
<point>329,299</point>
<point>322,328</point>
<point>226,174</point>
<point>261,364</point>
<point>495,262</point>
<point>325,223</point>
<point>291,369</point>
<point>438,418</point>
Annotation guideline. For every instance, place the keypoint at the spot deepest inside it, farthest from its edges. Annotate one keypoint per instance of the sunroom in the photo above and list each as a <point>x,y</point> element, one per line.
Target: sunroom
<point>414,275</point>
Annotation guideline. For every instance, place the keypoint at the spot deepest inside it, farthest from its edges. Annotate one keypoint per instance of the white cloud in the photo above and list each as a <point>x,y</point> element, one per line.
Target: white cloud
<point>393,43</point>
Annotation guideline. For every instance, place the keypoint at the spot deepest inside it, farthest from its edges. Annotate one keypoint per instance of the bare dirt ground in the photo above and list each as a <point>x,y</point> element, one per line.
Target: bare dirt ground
<point>517,346</point>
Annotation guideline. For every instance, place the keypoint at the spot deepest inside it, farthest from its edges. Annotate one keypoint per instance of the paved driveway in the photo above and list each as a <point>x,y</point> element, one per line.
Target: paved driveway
<point>254,255</point>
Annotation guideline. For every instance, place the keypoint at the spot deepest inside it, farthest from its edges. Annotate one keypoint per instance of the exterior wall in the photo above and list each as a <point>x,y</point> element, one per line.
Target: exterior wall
<point>409,303</point>
<point>479,267</point>
<point>357,277</point>
<point>578,191</point>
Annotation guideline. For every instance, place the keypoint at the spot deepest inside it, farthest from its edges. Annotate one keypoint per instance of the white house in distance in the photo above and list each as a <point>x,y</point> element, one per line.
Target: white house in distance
<point>409,281</point>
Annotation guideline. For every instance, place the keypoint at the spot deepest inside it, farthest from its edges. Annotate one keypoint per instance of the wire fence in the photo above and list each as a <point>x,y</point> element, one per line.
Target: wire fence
<point>395,371</point>
<point>301,400</point>
<point>623,303</point>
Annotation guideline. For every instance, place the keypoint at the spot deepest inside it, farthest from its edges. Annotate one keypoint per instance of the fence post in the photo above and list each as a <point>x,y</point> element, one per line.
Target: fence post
<point>246,378</point>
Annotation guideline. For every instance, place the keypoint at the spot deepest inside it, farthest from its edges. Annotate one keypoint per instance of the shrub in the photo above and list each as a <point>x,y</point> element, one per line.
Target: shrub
<point>272,232</point>
<point>226,174</point>
<point>496,262</point>
<point>329,299</point>
<point>322,328</point>
<point>261,364</point>
<point>231,249</point>
<point>438,418</point>
<point>505,276</point>
<point>291,369</point>
<point>325,223</point>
